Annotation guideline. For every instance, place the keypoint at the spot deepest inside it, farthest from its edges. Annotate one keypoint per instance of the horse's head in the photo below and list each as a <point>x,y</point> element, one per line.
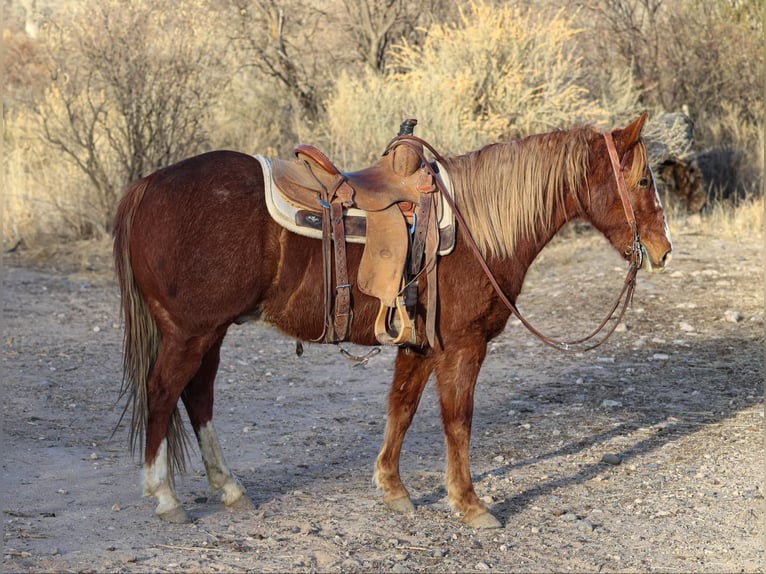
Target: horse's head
<point>611,210</point>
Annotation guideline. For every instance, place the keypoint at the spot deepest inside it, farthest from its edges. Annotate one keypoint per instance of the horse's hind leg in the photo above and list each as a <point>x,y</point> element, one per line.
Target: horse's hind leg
<point>198,400</point>
<point>176,364</point>
<point>411,374</point>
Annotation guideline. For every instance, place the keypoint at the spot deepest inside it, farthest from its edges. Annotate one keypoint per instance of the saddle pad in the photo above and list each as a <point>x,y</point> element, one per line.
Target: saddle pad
<point>297,219</point>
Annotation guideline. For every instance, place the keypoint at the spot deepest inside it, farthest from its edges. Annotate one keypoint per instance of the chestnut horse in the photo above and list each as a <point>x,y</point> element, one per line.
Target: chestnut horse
<point>195,251</point>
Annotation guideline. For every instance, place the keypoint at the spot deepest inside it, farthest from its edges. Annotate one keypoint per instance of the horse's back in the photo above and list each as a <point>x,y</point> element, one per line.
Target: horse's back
<point>202,245</point>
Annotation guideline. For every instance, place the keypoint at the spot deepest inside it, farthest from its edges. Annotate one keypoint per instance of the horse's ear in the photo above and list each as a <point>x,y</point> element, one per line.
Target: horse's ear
<point>627,137</point>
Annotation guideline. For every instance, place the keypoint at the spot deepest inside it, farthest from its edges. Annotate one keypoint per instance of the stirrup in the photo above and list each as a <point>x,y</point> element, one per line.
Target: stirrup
<point>393,325</point>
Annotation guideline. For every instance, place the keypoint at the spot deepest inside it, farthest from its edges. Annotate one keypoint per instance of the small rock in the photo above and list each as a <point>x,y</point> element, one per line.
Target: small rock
<point>482,566</point>
<point>733,316</point>
<point>660,357</point>
<point>585,526</point>
<point>93,456</point>
<point>399,568</point>
<point>611,458</point>
<point>685,327</point>
<point>609,403</point>
<point>96,329</point>
<point>568,517</point>
<point>116,508</point>
<point>439,553</point>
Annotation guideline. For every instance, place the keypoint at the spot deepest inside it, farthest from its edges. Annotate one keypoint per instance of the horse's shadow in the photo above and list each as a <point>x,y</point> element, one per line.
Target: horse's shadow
<point>722,395</point>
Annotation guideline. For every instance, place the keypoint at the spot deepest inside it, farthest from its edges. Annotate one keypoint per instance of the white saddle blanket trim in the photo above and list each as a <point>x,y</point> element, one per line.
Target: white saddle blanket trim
<point>285,212</point>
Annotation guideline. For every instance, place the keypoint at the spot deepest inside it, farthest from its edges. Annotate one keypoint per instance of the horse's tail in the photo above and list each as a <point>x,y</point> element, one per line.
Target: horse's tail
<point>142,338</point>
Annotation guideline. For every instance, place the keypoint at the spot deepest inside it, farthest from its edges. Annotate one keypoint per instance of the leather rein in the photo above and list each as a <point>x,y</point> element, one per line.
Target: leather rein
<point>634,251</point>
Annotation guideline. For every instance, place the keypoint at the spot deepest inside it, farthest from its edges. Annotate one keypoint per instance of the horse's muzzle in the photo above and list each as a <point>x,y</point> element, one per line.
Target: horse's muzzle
<point>655,266</point>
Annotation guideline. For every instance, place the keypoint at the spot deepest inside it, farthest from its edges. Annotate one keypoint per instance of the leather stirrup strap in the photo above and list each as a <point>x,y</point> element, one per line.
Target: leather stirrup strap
<point>431,249</point>
<point>423,216</point>
<point>327,335</point>
<point>342,285</point>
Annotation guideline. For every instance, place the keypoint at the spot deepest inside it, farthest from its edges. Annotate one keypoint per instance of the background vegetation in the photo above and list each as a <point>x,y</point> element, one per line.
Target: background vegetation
<point>101,92</point>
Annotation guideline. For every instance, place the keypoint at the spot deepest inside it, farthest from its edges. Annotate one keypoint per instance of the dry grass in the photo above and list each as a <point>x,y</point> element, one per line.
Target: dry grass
<point>722,219</point>
<point>744,220</point>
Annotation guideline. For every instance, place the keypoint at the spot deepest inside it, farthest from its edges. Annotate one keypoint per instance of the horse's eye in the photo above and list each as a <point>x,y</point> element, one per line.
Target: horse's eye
<point>643,182</point>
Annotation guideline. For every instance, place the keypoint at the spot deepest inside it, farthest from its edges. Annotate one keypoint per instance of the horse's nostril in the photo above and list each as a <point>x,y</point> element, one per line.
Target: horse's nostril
<point>666,258</point>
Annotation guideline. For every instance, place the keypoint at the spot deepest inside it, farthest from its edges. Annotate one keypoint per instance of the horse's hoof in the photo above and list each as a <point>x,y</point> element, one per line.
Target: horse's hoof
<point>402,505</point>
<point>484,521</point>
<point>242,504</point>
<point>176,515</point>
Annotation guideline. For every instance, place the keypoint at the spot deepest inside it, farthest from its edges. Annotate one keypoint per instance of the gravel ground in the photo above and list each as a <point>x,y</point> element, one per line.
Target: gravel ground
<point>644,455</point>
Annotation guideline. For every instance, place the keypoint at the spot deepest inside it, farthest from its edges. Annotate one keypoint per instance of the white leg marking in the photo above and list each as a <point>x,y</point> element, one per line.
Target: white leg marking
<point>157,481</point>
<point>218,474</point>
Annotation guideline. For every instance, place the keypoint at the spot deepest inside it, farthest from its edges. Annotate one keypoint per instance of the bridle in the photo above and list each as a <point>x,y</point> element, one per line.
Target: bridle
<point>634,252</point>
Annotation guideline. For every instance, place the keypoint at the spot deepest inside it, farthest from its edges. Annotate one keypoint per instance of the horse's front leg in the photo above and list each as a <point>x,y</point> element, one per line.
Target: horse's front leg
<point>411,374</point>
<point>198,400</point>
<point>456,374</point>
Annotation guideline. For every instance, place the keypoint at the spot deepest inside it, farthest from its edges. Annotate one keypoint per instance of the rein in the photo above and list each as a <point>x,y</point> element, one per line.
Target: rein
<point>634,252</point>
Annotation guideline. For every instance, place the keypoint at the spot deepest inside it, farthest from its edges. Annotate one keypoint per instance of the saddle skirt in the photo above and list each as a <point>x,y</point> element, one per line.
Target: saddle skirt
<point>307,220</point>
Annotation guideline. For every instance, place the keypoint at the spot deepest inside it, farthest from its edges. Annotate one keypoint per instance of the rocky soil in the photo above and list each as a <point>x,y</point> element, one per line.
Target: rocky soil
<point>644,455</point>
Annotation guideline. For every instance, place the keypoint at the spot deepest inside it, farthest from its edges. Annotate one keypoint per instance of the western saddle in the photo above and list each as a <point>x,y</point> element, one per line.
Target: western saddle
<point>390,207</point>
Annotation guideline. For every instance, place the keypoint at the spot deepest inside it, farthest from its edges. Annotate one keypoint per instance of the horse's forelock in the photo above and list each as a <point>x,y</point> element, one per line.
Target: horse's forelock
<point>506,191</point>
<point>638,165</point>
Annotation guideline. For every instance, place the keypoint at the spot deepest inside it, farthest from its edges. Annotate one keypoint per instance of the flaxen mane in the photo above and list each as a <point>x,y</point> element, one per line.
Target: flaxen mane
<point>524,180</point>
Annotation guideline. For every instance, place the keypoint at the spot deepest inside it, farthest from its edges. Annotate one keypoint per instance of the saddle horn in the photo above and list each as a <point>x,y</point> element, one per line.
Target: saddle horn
<point>406,160</point>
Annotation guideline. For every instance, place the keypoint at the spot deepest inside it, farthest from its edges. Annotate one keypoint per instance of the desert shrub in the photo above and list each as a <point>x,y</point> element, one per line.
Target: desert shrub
<point>498,73</point>
<point>702,56</point>
<point>44,199</point>
<point>131,89</point>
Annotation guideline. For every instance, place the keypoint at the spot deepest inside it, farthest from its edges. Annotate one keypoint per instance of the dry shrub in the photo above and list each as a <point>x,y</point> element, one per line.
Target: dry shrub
<point>45,200</point>
<point>131,89</point>
<point>499,73</point>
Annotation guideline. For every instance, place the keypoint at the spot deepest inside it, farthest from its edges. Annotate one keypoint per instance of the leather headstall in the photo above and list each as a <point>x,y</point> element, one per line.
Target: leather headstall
<point>634,251</point>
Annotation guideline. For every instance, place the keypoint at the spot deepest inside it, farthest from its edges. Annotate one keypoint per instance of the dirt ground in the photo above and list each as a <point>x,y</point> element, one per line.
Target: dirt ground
<point>676,399</point>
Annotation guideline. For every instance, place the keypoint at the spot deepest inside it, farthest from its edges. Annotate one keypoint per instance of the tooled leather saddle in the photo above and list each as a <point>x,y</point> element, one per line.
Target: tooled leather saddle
<point>392,207</point>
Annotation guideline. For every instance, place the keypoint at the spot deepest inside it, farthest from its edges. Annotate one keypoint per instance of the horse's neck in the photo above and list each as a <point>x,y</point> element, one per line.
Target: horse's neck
<point>512,270</point>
